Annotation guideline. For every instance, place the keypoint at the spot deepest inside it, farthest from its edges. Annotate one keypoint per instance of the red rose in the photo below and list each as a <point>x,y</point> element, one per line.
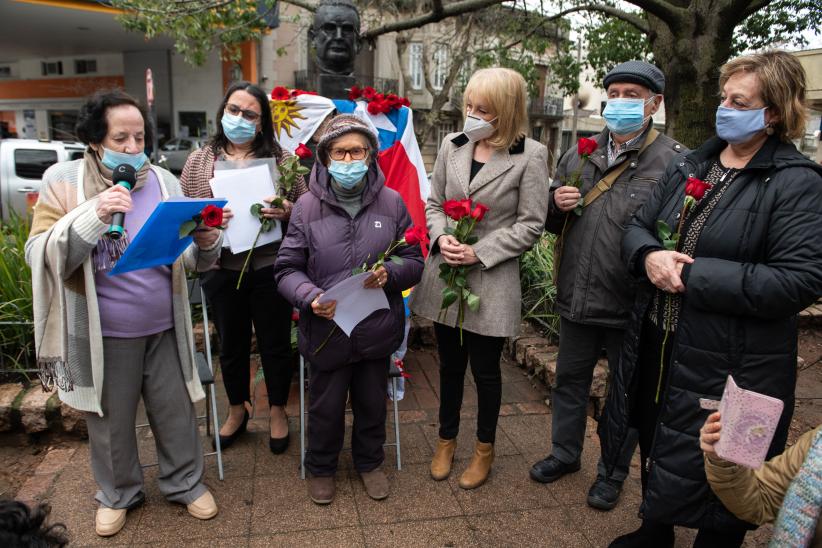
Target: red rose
<point>212,216</point>
<point>375,107</point>
<point>405,102</point>
<point>586,147</point>
<point>385,107</point>
<point>453,208</point>
<point>280,93</point>
<point>354,93</point>
<point>466,207</point>
<point>303,152</point>
<point>295,315</point>
<point>696,188</point>
<point>479,211</point>
<point>393,100</point>
<point>416,235</point>
<point>369,93</point>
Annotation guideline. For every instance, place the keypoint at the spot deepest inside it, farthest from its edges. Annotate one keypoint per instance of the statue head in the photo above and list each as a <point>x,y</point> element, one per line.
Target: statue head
<point>336,36</point>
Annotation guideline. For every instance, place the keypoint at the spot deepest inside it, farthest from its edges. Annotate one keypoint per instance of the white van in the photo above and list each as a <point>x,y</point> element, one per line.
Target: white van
<point>22,163</point>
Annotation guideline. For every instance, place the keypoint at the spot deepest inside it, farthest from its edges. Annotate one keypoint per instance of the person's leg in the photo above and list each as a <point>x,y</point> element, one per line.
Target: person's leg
<point>579,348</point>
<point>732,537</point>
<point>231,313</point>
<point>453,362</point>
<point>368,402</point>
<point>327,393</point>
<point>173,421</point>
<point>115,462</point>
<point>271,314</point>
<point>484,356</point>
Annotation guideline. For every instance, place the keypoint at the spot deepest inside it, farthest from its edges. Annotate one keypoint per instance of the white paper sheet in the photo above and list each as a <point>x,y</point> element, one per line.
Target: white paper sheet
<point>243,188</point>
<point>354,302</point>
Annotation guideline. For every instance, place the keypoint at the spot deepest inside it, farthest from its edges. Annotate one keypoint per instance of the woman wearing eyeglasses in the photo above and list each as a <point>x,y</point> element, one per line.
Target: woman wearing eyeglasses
<point>245,131</point>
<point>346,219</point>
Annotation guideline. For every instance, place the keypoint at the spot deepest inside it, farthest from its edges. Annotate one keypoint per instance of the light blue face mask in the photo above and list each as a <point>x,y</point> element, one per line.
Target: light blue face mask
<point>348,174</point>
<point>625,116</point>
<point>738,126</point>
<point>112,159</point>
<point>238,130</point>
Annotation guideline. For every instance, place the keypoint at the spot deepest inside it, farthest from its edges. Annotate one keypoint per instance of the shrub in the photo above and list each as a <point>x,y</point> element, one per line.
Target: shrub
<point>16,332</point>
<point>538,289</point>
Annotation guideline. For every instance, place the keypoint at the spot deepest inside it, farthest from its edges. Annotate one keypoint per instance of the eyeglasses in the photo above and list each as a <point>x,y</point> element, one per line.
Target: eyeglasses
<point>357,153</point>
<point>249,115</point>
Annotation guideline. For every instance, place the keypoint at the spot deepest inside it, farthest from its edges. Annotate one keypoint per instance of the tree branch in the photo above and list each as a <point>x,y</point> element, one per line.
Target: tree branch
<point>660,8</point>
<point>437,14</point>
<point>629,18</point>
<point>753,7</point>
<point>300,4</point>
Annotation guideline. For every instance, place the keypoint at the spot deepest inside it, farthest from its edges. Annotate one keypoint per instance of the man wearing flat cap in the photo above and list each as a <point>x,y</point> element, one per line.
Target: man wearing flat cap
<point>594,289</point>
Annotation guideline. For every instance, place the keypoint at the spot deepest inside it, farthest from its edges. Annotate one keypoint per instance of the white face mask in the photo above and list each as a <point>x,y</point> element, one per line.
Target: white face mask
<point>477,129</point>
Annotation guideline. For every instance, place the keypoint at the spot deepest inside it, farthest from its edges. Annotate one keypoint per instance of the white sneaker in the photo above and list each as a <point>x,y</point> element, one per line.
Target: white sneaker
<point>109,521</point>
<point>204,507</point>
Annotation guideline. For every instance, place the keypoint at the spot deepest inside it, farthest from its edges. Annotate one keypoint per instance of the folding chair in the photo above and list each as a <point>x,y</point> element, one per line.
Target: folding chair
<point>393,373</point>
<point>205,369</point>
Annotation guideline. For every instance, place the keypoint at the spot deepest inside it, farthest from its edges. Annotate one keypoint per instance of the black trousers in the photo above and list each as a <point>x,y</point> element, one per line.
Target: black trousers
<point>484,354</point>
<point>645,416</point>
<point>256,303</point>
<point>367,381</point>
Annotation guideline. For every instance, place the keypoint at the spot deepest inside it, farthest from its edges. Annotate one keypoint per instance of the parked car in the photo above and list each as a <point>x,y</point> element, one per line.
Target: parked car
<point>176,151</point>
<point>22,163</point>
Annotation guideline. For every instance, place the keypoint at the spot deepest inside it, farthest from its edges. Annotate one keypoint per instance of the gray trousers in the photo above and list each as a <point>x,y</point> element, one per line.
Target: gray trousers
<point>579,350</point>
<point>149,366</point>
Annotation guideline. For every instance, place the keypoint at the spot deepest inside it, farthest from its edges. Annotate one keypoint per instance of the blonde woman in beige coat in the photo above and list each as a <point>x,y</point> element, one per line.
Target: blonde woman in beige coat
<point>493,163</point>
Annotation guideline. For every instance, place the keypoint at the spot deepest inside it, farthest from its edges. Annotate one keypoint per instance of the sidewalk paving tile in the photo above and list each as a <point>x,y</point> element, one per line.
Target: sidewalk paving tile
<point>344,536</point>
<point>541,527</point>
<point>452,532</point>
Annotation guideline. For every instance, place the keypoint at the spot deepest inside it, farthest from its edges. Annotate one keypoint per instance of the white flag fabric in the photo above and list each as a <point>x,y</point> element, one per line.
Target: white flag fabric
<point>297,118</point>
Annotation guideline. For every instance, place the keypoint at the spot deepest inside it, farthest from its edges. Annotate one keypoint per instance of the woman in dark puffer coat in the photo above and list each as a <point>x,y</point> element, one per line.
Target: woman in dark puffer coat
<point>749,260</point>
<point>347,218</point>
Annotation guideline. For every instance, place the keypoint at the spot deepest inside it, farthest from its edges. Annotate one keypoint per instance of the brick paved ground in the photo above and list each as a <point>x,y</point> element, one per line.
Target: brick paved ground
<point>263,502</point>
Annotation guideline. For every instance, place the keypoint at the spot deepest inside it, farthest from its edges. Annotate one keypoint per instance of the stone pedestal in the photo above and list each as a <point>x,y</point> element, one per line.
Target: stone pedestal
<point>335,86</point>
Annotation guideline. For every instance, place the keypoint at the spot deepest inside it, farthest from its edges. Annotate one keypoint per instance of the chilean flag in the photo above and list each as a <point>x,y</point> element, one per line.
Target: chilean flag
<point>399,157</point>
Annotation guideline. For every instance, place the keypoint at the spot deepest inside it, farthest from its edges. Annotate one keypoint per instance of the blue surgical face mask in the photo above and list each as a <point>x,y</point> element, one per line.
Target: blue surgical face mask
<point>625,116</point>
<point>111,159</point>
<point>348,174</point>
<point>238,130</point>
<point>738,126</point>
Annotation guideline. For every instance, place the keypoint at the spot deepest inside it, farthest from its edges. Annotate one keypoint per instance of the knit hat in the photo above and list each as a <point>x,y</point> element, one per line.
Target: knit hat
<point>637,72</point>
<point>340,125</point>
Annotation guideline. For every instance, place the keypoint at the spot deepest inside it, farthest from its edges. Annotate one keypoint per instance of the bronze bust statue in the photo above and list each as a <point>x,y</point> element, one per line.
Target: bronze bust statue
<point>335,35</point>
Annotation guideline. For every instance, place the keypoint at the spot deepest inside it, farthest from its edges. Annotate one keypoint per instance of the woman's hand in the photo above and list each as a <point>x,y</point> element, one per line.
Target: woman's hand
<point>451,249</point>
<point>468,255</point>
<point>377,279</point>
<point>112,200</point>
<point>566,198</point>
<point>664,269</point>
<point>227,216</point>
<point>324,310</point>
<point>279,213</point>
<point>709,435</point>
<point>206,237</point>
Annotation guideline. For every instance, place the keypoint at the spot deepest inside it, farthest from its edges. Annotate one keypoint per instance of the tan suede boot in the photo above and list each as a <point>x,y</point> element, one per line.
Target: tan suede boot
<point>443,457</point>
<point>479,467</point>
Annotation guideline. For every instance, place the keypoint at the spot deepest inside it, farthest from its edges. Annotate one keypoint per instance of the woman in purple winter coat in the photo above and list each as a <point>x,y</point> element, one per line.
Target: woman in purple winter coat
<point>347,218</point>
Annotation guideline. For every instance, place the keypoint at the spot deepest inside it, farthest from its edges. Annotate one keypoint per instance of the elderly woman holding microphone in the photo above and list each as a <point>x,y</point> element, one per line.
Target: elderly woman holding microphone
<point>491,162</point>
<point>105,341</point>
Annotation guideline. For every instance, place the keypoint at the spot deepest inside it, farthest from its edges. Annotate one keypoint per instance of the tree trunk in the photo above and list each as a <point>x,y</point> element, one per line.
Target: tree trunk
<point>690,56</point>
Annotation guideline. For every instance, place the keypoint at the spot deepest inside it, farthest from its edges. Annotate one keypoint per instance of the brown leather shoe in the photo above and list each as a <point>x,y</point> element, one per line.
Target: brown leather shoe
<point>479,467</point>
<point>321,489</point>
<point>443,457</point>
<point>376,483</point>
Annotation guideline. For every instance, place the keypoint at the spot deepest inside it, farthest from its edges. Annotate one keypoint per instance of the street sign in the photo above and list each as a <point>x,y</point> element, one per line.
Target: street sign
<point>149,88</point>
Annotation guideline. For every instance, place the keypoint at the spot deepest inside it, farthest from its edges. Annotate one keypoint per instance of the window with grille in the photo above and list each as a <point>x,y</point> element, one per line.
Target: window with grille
<point>440,68</point>
<point>415,64</point>
<point>5,72</point>
<point>52,68</point>
<point>85,66</point>
<point>444,128</point>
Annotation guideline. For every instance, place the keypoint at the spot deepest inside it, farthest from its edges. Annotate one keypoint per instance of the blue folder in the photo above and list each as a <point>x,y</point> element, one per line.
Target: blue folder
<point>158,242</point>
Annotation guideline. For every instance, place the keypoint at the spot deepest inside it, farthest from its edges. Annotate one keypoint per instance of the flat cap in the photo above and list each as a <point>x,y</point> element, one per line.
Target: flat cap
<point>637,72</point>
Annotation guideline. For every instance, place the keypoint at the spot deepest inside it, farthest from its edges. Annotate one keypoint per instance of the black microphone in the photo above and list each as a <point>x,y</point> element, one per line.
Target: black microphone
<point>125,176</point>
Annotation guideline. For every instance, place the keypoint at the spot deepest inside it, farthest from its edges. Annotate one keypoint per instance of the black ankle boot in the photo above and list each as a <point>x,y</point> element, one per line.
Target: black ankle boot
<point>651,534</point>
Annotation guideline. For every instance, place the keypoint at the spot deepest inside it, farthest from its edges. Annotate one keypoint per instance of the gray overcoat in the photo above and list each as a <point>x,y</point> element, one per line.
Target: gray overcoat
<point>514,184</point>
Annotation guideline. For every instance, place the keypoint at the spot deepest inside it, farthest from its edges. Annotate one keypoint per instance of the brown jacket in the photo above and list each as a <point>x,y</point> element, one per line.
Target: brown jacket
<point>514,184</point>
<point>756,495</point>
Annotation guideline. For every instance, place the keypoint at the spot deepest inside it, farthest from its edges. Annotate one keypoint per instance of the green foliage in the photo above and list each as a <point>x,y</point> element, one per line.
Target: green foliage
<point>538,290</point>
<point>781,24</point>
<point>196,26</point>
<point>516,59</point>
<point>16,314</point>
<point>611,41</point>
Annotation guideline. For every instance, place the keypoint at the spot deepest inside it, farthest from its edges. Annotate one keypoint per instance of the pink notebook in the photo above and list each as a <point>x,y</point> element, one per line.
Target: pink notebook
<point>749,421</point>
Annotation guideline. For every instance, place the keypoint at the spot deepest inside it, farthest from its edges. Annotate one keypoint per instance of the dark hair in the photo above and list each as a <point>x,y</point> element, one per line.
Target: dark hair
<point>265,145</point>
<point>21,527</point>
<point>92,126</point>
<point>339,4</point>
